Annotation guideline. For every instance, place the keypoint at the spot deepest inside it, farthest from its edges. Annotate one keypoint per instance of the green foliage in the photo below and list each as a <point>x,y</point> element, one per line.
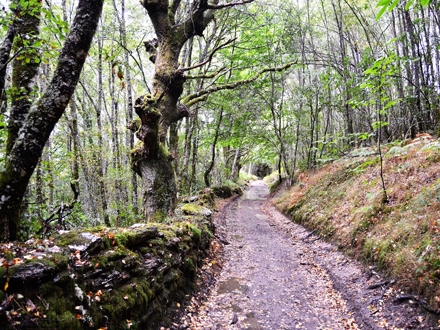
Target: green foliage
<point>389,5</point>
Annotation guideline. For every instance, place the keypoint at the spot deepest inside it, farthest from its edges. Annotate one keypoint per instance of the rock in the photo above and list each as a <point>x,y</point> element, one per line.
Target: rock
<point>432,147</point>
<point>194,209</point>
<point>91,244</point>
<point>362,152</point>
<point>190,199</point>
<point>30,273</point>
<point>222,191</point>
<point>397,151</point>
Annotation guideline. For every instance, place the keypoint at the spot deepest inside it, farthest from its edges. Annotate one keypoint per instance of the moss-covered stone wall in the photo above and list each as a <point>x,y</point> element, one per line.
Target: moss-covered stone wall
<point>101,278</point>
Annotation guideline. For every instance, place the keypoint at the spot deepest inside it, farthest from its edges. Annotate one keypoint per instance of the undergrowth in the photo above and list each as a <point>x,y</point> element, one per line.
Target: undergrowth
<point>343,202</point>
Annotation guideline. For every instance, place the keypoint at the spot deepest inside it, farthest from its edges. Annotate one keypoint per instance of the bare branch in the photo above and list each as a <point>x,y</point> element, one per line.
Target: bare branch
<point>203,94</point>
<point>232,4</point>
<point>210,55</point>
<point>207,76</point>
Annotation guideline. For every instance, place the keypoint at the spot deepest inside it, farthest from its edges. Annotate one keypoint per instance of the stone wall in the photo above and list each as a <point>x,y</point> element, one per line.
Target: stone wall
<point>100,278</point>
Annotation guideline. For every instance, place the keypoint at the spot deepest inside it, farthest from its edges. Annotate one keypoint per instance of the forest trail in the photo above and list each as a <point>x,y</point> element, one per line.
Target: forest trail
<point>276,275</point>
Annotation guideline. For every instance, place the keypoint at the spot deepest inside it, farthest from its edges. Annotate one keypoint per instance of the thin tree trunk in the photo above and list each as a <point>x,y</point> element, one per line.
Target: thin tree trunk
<point>73,125</point>
<point>99,157</point>
<point>129,135</point>
<point>114,123</point>
<point>74,183</point>
<point>192,183</point>
<point>236,166</point>
<point>347,110</point>
<point>213,146</point>
<point>24,69</point>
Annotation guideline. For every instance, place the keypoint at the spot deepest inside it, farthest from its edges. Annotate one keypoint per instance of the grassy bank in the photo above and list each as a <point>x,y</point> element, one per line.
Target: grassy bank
<point>343,202</point>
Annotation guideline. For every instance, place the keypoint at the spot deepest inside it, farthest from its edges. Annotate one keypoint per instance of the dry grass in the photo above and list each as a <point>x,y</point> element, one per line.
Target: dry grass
<point>343,201</point>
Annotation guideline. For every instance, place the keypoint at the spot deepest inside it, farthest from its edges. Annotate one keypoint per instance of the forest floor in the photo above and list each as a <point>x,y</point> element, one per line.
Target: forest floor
<point>274,274</point>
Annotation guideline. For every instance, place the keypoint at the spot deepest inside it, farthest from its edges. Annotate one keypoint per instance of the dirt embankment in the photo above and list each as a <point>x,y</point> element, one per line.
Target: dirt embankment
<point>343,202</point>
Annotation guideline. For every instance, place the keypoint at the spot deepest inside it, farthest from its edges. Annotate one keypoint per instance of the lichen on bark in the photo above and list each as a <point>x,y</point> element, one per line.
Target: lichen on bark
<point>25,151</point>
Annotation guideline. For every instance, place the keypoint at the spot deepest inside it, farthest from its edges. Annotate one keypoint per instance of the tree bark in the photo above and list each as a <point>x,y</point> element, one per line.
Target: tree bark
<point>5,52</point>
<point>159,110</point>
<point>213,146</point>
<point>24,68</point>
<point>99,161</point>
<point>35,130</point>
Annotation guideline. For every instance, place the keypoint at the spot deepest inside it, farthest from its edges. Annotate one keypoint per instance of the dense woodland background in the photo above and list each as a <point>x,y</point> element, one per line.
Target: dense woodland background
<point>356,81</point>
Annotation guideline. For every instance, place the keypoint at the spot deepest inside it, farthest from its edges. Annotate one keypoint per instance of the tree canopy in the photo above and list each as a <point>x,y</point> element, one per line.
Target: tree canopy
<point>173,96</point>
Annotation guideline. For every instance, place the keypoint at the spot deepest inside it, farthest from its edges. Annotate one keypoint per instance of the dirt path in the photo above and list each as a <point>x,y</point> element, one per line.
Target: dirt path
<point>276,275</point>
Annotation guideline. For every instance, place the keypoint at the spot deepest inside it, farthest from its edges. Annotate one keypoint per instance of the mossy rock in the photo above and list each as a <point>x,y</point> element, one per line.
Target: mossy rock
<point>206,198</point>
<point>222,191</point>
<point>396,151</point>
<point>195,209</point>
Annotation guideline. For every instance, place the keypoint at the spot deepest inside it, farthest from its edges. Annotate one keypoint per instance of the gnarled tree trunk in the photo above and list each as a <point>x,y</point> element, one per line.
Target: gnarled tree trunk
<point>158,111</point>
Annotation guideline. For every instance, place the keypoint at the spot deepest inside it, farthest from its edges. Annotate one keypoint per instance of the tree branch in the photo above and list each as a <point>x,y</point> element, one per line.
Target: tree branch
<point>206,76</point>
<point>232,4</point>
<point>201,95</point>
<point>158,13</point>
<point>210,55</point>
<point>195,100</point>
<point>174,5</point>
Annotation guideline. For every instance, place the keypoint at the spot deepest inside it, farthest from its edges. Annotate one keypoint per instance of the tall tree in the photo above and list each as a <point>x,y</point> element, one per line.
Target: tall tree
<point>174,24</point>
<point>34,129</point>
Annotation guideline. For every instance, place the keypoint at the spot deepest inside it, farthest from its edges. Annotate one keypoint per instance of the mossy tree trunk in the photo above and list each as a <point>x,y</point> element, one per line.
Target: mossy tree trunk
<point>24,151</point>
<point>24,72</point>
<point>5,53</point>
<point>157,112</point>
<point>175,22</point>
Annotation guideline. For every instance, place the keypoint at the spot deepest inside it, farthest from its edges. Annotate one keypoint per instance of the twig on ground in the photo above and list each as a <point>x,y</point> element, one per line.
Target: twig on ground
<point>386,284</point>
<point>376,285</point>
<point>310,234</point>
